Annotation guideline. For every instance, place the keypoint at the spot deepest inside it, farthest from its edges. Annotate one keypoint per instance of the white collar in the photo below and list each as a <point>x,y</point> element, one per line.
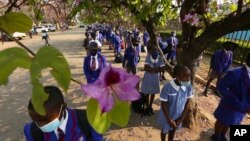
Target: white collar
<point>154,60</point>
<point>63,124</point>
<point>176,87</point>
<point>96,56</point>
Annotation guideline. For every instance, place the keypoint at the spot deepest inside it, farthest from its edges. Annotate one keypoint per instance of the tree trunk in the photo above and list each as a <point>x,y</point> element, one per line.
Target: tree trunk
<point>184,57</point>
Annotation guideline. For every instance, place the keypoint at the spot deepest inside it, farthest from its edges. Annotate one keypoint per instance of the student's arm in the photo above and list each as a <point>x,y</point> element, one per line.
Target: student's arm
<point>150,69</point>
<point>164,106</point>
<point>225,83</point>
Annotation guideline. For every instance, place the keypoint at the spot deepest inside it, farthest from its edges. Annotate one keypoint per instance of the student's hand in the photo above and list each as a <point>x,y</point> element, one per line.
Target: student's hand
<point>178,121</point>
<point>172,123</point>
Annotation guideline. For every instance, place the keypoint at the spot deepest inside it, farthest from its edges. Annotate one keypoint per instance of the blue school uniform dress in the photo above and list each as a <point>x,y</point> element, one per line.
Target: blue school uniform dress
<point>70,128</point>
<point>132,56</point>
<point>234,88</point>
<point>221,61</point>
<point>92,72</point>
<point>176,96</point>
<point>173,41</point>
<point>117,43</point>
<point>151,83</point>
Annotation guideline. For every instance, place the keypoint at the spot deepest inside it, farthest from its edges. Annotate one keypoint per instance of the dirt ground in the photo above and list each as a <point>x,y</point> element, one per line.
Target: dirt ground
<point>14,97</point>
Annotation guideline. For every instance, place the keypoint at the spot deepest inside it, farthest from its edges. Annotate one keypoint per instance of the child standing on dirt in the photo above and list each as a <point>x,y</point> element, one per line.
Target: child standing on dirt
<point>151,83</point>
<point>45,37</point>
<point>219,64</point>
<point>235,101</point>
<point>174,98</point>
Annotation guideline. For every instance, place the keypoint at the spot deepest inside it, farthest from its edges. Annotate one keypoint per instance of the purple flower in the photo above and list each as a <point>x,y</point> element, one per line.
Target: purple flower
<point>113,84</point>
<point>192,19</point>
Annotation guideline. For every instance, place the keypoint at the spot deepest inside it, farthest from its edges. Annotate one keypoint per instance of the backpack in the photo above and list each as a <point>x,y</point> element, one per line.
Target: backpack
<point>139,105</point>
<point>83,123</point>
<point>118,58</point>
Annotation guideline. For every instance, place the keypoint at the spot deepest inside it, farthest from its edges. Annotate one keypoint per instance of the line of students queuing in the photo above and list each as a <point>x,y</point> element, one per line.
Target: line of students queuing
<point>174,96</point>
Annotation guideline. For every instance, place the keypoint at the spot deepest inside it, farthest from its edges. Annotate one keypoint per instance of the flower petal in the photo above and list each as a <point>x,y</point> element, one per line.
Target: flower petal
<point>126,90</point>
<point>130,95</point>
<point>94,90</point>
<point>106,101</point>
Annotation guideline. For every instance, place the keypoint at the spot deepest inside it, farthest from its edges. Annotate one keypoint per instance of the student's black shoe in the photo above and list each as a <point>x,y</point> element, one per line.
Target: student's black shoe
<point>215,137</point>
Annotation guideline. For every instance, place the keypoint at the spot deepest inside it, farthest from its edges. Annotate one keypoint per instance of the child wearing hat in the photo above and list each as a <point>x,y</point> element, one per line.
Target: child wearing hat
<point>94,62</point>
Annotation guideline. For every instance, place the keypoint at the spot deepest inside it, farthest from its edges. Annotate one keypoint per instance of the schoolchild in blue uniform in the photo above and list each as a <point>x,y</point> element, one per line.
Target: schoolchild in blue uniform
<point>172,42</point>
<point>131,56</point>
<point>93,63</point>
<point>234,88</point>
<point>220,63</point>
<point>174,97</point>
<point>59,124</point>
<point>117,43</point>
<point>151,84</point>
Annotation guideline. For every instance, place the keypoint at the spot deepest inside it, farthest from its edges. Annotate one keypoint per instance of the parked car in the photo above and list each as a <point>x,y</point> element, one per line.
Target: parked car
<point>81,25</point>
<point>49,27</point>
<point>19,35</point>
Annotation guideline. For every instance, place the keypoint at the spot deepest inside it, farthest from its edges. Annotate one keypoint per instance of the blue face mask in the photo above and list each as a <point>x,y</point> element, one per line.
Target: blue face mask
<point>52,125</point>
<point>185,83</point>
<point>154,54</point>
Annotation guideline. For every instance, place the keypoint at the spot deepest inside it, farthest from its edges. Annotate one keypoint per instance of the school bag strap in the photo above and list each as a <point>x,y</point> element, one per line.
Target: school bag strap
<point>83,123</point>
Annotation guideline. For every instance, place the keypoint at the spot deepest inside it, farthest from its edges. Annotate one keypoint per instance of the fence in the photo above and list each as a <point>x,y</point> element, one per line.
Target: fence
<point>242,38</point>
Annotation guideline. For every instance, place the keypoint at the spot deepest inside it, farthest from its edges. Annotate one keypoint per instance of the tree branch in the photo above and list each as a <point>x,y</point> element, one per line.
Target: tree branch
<point>221,28</point>
<point>239,9</point>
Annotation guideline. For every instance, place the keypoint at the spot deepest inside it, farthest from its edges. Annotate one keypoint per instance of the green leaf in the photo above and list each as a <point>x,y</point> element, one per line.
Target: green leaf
<point>48,57</point>
<point>120,113</point>
<point>233,7</point>
<point>100,122</point>
<point>10,59</point>
<point>15,22</point>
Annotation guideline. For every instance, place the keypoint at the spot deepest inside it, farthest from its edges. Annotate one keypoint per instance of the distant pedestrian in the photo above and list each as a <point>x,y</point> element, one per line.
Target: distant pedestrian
<point>45,37</point>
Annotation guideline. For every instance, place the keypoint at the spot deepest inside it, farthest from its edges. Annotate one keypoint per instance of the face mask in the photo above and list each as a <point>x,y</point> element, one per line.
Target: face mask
<point>185,83</point>
<point>154,54</point>
<point>52,125</point>
<point>93,53</point>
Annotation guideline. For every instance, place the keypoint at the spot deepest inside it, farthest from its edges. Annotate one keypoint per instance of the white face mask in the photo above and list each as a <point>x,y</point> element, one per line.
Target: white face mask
<point>49,127</point>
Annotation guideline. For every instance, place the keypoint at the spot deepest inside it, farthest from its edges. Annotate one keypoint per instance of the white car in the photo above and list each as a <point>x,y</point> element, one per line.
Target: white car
<point>49,27</point>
<point>19,35</point>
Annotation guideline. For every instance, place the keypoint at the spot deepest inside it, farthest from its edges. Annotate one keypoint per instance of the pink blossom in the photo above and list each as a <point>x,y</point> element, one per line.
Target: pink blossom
<point>113,84</point>
<point>192,19</point>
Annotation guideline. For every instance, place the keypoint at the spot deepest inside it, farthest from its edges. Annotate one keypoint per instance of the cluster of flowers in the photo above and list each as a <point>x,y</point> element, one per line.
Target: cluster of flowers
<point>192,19</point>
